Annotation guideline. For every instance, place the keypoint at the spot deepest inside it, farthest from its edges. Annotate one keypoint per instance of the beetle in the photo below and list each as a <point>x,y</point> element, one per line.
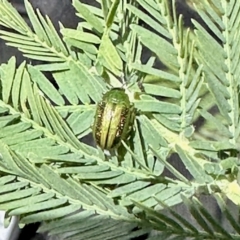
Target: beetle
<point>114,119</point>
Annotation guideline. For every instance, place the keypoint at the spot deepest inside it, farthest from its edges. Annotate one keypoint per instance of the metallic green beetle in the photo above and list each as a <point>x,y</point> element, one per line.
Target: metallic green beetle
<point>113,119</point>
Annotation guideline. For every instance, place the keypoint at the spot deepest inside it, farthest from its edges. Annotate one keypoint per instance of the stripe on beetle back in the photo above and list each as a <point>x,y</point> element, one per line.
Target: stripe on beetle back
<point>115,129</point>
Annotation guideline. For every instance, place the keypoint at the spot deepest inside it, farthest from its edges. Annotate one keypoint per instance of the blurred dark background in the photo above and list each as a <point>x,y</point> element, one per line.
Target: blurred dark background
<point>62,11</point>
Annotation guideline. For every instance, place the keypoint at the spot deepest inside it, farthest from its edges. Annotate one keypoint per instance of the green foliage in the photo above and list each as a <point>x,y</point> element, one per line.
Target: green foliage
<point>48,173</point>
